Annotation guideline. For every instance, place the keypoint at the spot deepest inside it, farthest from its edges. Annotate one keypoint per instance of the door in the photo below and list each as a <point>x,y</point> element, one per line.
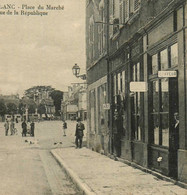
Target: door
<point>174,127</point>
<point>164,126</point>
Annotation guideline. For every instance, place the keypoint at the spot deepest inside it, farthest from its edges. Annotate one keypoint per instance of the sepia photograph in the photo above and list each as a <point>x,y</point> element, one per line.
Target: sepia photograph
<point>93,97</point>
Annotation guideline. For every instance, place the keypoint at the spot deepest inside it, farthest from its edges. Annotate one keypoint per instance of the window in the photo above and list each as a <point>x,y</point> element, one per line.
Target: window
<point>119,93</point>
<point>160,111</point>
<point>91,38</point>
<point>136,5</point>
<point>101,37</point>
<point>115,16</point>
<point>123,11</point>
<point>102,100</point>
<point>174,55</point>
<point>154,64</point>
<point>165,59</point>
<point>136,108</point>
<point>92,110</point>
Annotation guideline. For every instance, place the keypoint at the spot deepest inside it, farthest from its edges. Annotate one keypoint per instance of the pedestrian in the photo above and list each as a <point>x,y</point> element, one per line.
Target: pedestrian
<point>6,125</point>
<point>12,126</point>
<point>32,128</point>
<point>64,127</point>
<point>79,133</point>
<point>175,132</point>
<point>24,128</point>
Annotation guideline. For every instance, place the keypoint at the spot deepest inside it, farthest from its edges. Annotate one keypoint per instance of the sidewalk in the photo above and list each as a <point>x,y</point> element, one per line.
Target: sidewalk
<point>94,173</point>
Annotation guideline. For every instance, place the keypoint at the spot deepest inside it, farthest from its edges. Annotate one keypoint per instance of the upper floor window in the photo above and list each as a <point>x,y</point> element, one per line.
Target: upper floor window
<point>123,11</point>
<point>136,5</point>
<point>91,38</point>
<point>101,33</point>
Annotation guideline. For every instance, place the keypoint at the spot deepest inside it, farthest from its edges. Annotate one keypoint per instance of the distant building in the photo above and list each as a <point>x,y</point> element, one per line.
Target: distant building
<point>74,103</point>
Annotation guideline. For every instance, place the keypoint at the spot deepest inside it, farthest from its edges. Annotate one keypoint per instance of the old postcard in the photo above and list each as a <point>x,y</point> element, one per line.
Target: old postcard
<point>93,97</point>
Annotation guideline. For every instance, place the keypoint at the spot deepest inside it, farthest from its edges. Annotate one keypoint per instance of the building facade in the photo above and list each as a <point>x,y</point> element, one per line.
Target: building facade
<point>74,103</point>
<point>144,72</point>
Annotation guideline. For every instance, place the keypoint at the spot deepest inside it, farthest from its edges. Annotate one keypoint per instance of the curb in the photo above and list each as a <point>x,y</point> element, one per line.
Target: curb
<point>81,185</point>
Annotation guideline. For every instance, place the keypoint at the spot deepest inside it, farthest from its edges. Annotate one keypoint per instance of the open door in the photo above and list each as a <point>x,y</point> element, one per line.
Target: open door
<point>174,127</point>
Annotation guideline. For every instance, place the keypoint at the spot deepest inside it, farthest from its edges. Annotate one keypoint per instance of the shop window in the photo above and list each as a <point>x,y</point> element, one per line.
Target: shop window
<point>119,100</point>
<point>160,111</point>
<point>119,84</point>
<point>114,86</point>
<point>167,58</point>
<point>154,64</point>
<point>137,113</point>
<point>164,59</point>
<point>174,55</point>
<point>101,100</point>
<point>123,82</point>
<point>92,110</point>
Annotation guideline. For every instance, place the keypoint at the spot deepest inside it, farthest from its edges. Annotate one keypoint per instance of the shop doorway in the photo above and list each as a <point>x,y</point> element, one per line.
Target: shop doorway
<point>174,127</point>
<point>164,126</point>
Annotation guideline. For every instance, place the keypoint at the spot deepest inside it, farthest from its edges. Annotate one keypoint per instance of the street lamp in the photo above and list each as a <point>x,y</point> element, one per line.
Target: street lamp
<point>76,72</point>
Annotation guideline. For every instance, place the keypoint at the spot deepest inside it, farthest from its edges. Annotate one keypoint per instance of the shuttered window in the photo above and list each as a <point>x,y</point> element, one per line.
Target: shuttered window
<point>124,11</point>
<point>136,5</point>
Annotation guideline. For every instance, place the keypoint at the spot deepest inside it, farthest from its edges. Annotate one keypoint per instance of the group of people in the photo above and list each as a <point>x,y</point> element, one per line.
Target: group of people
<point>11,125</point>
<point>25,127</point>
<point>78,132</point>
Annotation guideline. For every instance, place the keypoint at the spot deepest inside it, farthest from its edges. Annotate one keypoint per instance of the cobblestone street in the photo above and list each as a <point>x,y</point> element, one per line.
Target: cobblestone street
<point>30,168</point>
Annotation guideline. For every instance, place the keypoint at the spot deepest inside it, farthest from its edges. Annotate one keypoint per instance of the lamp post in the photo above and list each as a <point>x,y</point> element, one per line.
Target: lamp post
<point>76,72</point>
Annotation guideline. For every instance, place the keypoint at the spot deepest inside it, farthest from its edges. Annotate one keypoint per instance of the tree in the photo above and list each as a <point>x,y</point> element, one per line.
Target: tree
<point>41,109</point>
<point>31,92</point>
<point>57,96</point>
<point>11,108</point>
<point>3,109</point>
<point>21,108</point>
<point>32,108</point>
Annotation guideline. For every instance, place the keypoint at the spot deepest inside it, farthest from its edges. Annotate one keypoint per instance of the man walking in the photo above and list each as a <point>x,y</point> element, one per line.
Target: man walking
<point>79,133</point>
<point>6,125</point>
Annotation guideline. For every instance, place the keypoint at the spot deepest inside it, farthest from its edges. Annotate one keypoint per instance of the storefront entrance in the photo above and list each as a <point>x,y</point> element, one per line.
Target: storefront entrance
<point>164,125</point>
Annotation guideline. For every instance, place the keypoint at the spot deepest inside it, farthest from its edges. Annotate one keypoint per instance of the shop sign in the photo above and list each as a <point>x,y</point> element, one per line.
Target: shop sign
<point>167,73</point>
<point>106,106</point>
<point>138,86</point>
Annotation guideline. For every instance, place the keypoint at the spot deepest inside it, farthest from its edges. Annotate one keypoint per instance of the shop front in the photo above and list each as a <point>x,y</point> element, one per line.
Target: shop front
<point>166,96</point>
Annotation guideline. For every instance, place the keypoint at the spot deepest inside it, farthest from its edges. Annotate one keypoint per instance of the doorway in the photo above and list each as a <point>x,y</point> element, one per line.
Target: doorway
<point>163,125</point>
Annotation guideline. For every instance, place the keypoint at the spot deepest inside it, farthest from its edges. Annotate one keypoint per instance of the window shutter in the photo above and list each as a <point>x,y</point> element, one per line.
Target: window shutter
<point>136,5</point>
<point>121,12</point>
